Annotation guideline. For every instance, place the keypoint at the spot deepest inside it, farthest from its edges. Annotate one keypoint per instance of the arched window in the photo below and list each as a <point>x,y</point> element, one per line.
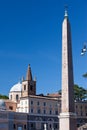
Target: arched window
<point>11,97</point>
<point>17,97</point>
<point>31,87</point>
<point>24,87</point>
<point>25,127</point>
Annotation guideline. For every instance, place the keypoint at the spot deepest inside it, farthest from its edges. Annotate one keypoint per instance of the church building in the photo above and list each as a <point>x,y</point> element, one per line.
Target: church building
<point>38,111</point>
<point>25,110</point>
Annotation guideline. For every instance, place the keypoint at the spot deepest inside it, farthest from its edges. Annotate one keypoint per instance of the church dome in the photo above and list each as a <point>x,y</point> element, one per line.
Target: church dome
<point>2,105</point>
<point>16,88</point>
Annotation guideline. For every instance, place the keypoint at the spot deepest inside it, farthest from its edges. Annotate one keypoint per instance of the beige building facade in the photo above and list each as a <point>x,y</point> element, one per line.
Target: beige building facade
<point>35,112</point>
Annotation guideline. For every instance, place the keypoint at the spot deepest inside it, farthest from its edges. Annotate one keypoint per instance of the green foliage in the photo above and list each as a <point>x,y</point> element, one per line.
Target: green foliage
<point>3,96</point>
<point>79,93</point>
<point>59,91</point>
<point>85,75</point>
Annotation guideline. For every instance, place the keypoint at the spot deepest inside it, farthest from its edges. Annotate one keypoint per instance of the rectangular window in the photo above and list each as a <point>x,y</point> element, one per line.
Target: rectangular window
<point>81,113</point>
<point>38,103</point>
<point>25,109</point>
<point>76,106</point>
<point>50,112</point>
<point>44,111</point>
<point>21,102</point>
<point>56,112</point>
<point>21,109</point>
<point>24,87</point>
<point>32,125</point>
<point>11,107</point>
<point>81,107</point>
<point>76,112</point>
<point>38,111</point>
<point>44,103</point>
<point>25,102</point>
<point>31,102</point>
<point>32,110</point>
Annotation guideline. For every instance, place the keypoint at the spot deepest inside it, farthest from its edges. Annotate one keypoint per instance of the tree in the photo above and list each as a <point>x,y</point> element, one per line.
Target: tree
<point>79,93</point>
<point>3,96</point>
<point>85,75</point>
<point>59,91</point>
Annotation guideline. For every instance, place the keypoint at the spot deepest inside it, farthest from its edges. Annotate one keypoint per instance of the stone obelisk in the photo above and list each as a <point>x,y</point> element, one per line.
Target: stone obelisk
<point>67,118</point>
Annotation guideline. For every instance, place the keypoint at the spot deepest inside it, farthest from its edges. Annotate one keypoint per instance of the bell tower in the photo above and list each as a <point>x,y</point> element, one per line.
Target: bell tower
<point>28,85</point>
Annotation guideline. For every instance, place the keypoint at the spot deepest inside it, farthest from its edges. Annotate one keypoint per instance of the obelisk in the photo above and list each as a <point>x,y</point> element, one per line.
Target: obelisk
<point>67,118</point>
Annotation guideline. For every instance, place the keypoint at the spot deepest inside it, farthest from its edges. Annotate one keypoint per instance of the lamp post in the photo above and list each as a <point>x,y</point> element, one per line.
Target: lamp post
<point>84,49</point>
<point>45,126</point>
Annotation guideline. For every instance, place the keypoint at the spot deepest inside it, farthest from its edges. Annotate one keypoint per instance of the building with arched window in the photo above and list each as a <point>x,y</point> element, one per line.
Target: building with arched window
<point>25,110</point>
<point>15,92</point>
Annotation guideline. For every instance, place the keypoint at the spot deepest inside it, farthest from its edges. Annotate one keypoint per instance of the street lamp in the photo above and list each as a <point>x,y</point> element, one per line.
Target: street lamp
<point>45,126</point>
<point>84,50</point>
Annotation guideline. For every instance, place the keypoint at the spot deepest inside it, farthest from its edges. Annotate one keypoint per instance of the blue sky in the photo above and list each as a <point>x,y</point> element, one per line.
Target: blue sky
<point>31,32</point>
